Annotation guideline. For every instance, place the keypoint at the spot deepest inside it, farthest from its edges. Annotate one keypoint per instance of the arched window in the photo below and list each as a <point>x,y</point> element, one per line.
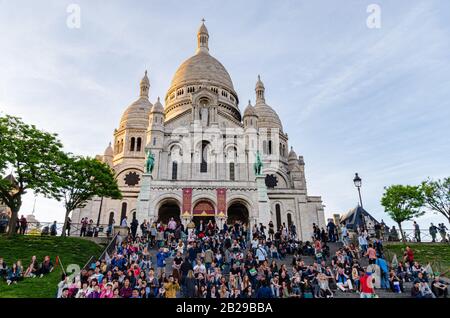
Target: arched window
<point>139,144</point>
<point>289,219</point>
<point>204,163</point>
<point>264,147</point>
<point>121,146</point>
<point>123,213</point>
<point>270,147</point>
<point>174,170</point>
<point>111,218</point>
<point>133,141</point>
<point>232,176</point>
<point>154,141</point>
<point>278,215</point>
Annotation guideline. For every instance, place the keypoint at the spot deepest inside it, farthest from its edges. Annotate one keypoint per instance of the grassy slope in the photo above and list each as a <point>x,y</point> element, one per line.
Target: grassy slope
<point>70,251</point>
<point>436,253</point>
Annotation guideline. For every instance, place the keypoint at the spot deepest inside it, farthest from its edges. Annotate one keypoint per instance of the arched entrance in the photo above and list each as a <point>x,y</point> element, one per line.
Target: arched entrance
<point>237,212</point>
<point>167,210</point>
<point>204,210</point>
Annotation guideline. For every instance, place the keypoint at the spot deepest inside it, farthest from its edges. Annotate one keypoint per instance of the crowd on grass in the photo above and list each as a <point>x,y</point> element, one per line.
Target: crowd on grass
<point>16,272</point>
<point>205,261</point>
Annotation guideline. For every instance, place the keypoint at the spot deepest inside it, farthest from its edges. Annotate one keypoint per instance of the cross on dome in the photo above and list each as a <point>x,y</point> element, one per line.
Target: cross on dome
<point>202,38</point>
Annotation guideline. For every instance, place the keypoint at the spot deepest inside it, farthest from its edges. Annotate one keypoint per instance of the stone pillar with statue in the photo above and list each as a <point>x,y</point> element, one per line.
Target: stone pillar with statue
<point>143,201</point>
<point>263,212</point>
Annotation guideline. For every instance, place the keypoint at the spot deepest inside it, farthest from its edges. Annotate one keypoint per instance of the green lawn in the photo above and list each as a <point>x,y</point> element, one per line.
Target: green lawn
<point>438,254</point>
<point>70,251</point>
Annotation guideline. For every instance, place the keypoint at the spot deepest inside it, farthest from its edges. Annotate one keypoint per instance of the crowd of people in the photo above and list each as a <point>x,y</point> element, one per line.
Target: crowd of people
<point>16,272</point>
<point>205,261</point>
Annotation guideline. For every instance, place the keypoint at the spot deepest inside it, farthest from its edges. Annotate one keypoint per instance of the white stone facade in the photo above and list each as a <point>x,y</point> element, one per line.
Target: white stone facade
<point>200,141</point>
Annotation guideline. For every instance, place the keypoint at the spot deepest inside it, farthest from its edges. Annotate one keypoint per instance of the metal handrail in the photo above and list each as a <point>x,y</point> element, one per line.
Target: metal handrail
<point>108,247</point>
<point>425,235</point>
<point>36,228</point>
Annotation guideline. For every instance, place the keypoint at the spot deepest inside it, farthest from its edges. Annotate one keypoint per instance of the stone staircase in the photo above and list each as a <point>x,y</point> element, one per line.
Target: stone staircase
<point>382,293</point>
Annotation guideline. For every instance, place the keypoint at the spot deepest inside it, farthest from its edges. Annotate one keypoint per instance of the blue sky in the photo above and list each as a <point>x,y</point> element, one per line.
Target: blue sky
<point>352,99</point>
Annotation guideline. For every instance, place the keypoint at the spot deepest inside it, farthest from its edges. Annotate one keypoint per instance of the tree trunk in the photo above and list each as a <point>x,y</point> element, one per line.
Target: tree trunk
<point>401,232</point>
<point>12,229</point>
<point>65,223</point>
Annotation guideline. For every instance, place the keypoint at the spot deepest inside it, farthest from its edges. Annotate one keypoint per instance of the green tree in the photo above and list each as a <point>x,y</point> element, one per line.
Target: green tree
<point>402,203</point>
<point>32,154</point>
<point>80,179</point>
<point>436,195</point>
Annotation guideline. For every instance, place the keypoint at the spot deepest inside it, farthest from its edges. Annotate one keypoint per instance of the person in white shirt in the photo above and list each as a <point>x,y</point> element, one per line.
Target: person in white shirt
<point>362,243</point>
<point>261,254</point>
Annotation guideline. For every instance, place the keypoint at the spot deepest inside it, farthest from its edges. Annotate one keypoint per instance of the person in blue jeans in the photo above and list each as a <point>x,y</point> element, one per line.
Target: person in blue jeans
<point>161,260</point>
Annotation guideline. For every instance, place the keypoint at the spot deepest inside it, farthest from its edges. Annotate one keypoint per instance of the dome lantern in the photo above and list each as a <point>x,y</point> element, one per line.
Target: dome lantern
<point>260,89</point>
<point>145,86</point>
<point>202,38</point>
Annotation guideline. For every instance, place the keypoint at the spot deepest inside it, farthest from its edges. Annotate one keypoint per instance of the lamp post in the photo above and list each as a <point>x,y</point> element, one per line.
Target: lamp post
<point>358,182</point>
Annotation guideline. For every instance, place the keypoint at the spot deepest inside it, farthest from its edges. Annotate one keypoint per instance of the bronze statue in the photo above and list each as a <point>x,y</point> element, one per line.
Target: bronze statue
<point>258,164</point>
<point>150,163</point>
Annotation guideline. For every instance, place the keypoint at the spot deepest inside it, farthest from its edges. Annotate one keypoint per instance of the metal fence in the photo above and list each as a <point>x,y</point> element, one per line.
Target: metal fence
<point>410,236</point>
<point>44,228</point>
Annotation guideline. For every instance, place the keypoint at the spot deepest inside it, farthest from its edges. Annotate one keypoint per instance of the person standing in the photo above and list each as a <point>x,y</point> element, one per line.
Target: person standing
<point>84,223</point>
<point>371,254</point>
<point>433,231</point>
<point>344,234</point>
<point>53,230</point>
<point>172,225</point>
<point>133,227</point>
<point>23,225</point>
<point>362,243</point>
<point>69,223</point>
<point>443,232</point>
<point>124,222</point>
<point>271,230</point>
<point>416,231</point>
<point>366,281</point>
<point>331,227</point>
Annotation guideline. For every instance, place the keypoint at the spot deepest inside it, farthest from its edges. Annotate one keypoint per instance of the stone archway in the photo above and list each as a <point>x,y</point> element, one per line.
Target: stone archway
<point>204,210</point>
<point>237,211</point>
<point>167,210</point>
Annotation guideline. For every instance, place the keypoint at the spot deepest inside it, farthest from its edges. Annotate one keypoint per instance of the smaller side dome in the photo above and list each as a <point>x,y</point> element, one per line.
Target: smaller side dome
<point>292,154</point>
<point>109,152</point>
<point>158,107</point>
<point>250,110</point>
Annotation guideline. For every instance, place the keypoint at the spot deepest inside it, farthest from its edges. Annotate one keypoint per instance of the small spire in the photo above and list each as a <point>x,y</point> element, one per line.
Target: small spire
<point>202,38</point>
<point>145,85</point>
<point>260,91</point>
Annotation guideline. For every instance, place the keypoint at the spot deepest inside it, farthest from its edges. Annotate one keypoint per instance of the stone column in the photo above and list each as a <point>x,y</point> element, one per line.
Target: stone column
<point>143,200</point>
<point>263,213</point>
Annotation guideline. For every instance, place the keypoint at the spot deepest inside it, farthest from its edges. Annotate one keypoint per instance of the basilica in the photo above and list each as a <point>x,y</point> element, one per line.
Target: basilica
<point>210,160</point>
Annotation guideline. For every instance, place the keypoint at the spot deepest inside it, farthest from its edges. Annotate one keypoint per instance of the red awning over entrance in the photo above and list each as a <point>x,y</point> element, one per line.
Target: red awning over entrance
<point>204,209</point>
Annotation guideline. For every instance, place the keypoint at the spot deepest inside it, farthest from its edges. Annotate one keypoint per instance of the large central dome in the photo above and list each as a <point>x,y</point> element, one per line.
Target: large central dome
<point>202,67</point>
<point>201,71</point>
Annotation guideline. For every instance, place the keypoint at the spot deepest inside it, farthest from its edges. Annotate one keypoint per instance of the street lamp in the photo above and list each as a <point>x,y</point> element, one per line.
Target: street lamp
<point>358,182</point>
